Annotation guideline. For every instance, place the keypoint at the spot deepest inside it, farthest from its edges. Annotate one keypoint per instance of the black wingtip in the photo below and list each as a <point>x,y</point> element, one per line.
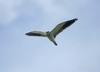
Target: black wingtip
<point>26,33</point>
<point>75,19</point>
<point>29,34</point>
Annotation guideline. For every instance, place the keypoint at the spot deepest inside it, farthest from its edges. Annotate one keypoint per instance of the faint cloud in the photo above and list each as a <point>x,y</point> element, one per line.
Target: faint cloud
<point>8,10</point>
<point>12,10</point>
<point>50,8</point>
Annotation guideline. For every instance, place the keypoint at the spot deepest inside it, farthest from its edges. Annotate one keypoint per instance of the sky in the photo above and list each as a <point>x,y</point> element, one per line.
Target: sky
<point>78,47</point>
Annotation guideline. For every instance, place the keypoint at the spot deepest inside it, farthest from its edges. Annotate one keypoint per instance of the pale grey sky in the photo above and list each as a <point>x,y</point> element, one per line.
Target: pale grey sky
<point>78,47</point>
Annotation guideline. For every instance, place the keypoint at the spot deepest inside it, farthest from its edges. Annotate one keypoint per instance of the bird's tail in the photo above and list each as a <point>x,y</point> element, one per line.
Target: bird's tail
<point>51,38</point>
<point>54,43</point>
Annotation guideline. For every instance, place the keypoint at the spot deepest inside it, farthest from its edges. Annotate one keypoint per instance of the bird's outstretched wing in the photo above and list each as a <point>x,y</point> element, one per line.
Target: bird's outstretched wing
<point>60,27</point>
<point>36,33</point>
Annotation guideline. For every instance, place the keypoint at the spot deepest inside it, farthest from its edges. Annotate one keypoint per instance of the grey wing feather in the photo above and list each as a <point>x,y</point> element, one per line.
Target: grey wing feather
<point>60,27</point>
<point>36,33</point>
<point>57,29</point>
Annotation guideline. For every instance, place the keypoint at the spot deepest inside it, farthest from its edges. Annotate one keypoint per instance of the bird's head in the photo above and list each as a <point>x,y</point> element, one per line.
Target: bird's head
<point>47,32</point>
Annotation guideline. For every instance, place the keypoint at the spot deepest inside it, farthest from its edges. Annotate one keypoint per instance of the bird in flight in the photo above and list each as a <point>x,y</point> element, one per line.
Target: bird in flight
<point>51,35</point>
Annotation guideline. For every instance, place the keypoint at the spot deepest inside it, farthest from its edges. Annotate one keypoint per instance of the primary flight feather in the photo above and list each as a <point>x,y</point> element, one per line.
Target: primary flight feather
<point>52,34</point>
